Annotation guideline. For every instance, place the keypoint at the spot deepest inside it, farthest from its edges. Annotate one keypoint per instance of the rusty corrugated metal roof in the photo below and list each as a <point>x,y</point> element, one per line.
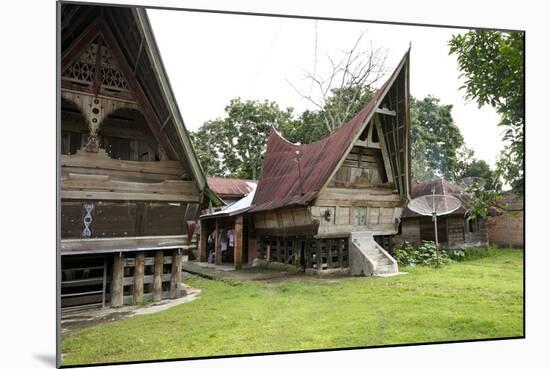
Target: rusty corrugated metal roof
<point>280,185</point>
<point>230,187</point>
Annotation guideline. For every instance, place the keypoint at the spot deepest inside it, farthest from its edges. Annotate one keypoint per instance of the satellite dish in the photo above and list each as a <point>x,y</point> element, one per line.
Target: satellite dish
<point>466,182</point>
<point>434,205</point>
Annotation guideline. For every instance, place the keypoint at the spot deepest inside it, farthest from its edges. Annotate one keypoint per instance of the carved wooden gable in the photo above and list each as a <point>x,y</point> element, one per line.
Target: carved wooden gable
<point>80,73</point>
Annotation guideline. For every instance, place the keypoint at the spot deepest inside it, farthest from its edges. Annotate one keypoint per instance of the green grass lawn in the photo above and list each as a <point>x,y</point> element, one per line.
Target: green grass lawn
<point>469,300</point>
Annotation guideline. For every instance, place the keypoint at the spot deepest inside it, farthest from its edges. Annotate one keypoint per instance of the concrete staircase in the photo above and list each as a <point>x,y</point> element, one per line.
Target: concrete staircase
<point>368,258</point>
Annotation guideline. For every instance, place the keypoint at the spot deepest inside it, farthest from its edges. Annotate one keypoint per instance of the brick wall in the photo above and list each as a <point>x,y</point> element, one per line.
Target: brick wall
<point>478,237</point>
<point>506,229</point>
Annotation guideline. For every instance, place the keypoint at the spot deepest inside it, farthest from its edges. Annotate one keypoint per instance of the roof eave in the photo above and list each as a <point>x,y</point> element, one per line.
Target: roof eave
<point>183,134</point>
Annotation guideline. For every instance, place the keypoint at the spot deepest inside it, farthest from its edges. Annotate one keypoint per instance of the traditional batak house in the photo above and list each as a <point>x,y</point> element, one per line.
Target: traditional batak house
<point>454,230</point>
<point>131,186</point>
<point>321,207</point>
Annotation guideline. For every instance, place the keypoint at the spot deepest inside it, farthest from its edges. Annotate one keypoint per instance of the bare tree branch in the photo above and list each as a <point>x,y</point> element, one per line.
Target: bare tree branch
<point>355,73</point>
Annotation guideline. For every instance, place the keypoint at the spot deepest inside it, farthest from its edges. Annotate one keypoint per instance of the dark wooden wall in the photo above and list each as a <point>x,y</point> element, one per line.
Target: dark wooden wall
<point>455,230</point>
<point>427,231</point>
<point>126,218</point>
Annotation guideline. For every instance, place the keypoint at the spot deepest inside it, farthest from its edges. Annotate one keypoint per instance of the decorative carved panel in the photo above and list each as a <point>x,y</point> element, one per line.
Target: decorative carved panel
<point>82,72</point>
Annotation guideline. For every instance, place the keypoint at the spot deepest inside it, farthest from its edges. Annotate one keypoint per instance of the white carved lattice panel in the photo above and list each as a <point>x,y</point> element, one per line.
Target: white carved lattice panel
<point>82,70</point>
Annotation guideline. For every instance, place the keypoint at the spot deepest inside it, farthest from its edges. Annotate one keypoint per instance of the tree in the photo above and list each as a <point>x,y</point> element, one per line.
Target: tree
<point>479,199</point>
<point>311,125</point>
<point>234,146</point>
<point>435,139</point>
<point>307,128</point>
<point>346,88</point>
<point>492,64</point>
<point>480,169</point>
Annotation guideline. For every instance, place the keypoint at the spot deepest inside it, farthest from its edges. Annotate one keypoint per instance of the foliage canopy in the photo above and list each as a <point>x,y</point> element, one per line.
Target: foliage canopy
<point>491,63</point>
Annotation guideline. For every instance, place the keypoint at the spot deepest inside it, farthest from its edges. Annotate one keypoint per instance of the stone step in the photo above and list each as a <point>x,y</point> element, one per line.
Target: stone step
<point>383,264</point>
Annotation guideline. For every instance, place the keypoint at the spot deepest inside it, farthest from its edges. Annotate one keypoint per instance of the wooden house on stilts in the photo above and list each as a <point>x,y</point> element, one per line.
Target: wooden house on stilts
<point>131,186</point>
<point>328,206</point>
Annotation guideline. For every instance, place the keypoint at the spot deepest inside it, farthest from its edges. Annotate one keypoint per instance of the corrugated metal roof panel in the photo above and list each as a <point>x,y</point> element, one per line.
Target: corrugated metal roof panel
<point>230,187</point>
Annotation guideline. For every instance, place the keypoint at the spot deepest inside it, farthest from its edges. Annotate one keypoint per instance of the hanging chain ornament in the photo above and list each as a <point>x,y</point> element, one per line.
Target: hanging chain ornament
<point>87,219</point>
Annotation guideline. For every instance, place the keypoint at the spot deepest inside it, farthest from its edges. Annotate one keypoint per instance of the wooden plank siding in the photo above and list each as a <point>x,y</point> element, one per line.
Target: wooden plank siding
<point>353,209</point>
<point>101,164</point>
<point>124,219</point>
<point>294,221</point>
<point>362,167</point>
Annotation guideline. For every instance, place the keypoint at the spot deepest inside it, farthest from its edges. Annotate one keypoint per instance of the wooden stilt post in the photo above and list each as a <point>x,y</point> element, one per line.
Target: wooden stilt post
<point>104,287</point>
<point>139,271</point>
<point>329,253</point>
<point>117,282</point>
<point>318,249</point>
<point>175,280</point>
<point>341,253</point>
<point>218,247</point>
<point>157,276</point>
<point>203,242</point>
<point>238,259</point>
<point>307,259</point>
<point>254,244</point>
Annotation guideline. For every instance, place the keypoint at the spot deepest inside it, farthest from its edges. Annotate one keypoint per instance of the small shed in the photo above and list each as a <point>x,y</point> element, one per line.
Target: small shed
<point>224,232</point>
<point>454,230</point>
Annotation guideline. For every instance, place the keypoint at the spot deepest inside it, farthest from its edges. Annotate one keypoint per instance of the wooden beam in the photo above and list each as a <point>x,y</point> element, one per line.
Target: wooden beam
<point>125,196</point>
<point>139,271</point>
<point>80,43</point>
<point>238,257</point>
<point>386,112</point>
<point>218,246</point>
<point>318,249</point>
<point>93,160</point>
<point>98,182</point>
<point>104,288</point>
<point>117,281</point>
<point>253,251</point>
<point>97,77</point>
<point>175,279</point>
<point>157,277</point>
<point>384,149</point>
<point>203,241</point>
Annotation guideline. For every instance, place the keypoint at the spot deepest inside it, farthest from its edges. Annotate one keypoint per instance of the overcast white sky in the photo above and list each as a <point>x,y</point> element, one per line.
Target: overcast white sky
<point>212,58</point>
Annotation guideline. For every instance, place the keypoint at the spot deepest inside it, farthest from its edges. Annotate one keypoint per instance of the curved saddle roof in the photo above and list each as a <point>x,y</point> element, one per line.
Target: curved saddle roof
<point>293,174</point>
